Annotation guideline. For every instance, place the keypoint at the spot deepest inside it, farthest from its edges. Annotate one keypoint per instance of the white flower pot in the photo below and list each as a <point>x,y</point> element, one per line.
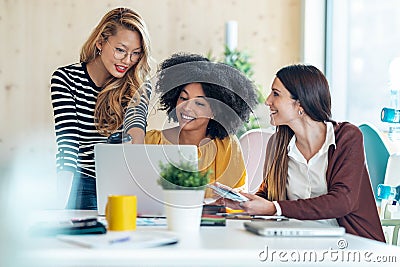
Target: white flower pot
<point>183,209</point>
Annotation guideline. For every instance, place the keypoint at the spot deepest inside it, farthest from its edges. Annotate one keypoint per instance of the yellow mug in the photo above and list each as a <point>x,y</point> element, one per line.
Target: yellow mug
<point>121,212</point>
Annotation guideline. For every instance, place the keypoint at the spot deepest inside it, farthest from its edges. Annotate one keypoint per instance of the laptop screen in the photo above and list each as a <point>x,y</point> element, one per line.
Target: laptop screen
<point>131,169</point>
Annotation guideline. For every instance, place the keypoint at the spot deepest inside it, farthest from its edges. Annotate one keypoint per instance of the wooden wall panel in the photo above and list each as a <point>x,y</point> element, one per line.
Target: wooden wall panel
<point>38,36</point>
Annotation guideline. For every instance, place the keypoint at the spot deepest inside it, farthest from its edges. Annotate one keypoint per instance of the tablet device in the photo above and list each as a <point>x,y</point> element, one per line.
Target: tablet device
<point>226,192</point>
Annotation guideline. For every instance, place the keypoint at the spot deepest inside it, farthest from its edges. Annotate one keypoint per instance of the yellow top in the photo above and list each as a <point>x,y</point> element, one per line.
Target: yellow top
<point>223,157</point>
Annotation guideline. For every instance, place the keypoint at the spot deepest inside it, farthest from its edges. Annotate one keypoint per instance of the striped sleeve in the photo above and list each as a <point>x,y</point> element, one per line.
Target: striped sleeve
<point>65,117</point>
<point>136,115</point>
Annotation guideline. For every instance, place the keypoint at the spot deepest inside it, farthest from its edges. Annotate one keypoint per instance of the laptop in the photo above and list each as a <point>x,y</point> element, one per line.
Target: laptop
<point>130,169</point>
<point>293,228</point>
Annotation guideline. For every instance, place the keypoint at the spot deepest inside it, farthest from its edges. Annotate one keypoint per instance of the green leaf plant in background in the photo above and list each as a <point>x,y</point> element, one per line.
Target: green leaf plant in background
<point>182,176</point>
<point>240,60</point>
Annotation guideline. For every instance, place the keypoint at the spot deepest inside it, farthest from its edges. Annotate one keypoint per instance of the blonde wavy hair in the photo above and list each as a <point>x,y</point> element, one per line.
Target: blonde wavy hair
<point>117,93</point>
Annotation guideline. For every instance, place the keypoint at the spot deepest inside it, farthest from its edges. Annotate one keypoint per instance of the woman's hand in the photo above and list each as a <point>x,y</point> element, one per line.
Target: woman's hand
<point>137,135</point>
<point>254,206</point>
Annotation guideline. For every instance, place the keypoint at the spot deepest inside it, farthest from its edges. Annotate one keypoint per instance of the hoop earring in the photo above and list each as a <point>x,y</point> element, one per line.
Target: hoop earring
<point>300,112</point>
<point>99,52</point>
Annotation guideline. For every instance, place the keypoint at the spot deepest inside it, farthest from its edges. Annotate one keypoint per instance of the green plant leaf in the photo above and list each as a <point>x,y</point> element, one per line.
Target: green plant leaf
<point>182,176</point>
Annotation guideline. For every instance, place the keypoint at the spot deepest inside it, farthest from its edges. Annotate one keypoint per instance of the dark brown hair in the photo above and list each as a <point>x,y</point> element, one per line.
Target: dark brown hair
<point>308,85</point>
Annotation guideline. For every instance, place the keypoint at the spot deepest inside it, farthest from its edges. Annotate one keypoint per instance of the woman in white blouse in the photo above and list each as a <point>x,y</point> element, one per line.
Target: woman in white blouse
<point>314,167</point>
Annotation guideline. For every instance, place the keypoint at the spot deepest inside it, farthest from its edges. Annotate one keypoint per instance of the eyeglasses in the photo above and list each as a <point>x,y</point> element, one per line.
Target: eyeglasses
<point>120,53</point>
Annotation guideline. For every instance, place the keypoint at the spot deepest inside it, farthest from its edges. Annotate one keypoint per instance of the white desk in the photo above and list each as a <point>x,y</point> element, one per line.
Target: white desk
<point>212,246</point>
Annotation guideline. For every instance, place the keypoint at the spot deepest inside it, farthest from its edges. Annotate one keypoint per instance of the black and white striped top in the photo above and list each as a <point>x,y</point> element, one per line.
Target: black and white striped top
<point>74,95</point>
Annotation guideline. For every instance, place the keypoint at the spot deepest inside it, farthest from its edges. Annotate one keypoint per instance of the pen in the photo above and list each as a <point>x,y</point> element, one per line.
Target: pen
<point>120,240</point>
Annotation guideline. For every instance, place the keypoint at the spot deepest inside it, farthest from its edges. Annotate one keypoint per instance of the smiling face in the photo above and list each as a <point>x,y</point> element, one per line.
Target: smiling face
<point>284,110</point>
<point>192,109</point>
<point>120,52</point>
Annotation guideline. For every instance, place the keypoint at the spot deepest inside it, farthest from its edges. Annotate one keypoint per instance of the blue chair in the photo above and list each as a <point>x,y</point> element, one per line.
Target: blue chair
<point>377,155</point>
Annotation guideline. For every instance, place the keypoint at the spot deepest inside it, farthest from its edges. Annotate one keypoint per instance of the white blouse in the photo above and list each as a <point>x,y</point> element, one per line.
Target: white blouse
<point>308,179</point>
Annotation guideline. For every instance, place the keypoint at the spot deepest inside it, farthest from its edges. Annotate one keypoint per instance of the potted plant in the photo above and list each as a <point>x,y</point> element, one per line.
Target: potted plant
<point>184,188</point>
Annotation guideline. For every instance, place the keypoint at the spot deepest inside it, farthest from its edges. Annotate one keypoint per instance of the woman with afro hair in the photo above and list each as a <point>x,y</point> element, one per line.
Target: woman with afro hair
<point>210,101</point>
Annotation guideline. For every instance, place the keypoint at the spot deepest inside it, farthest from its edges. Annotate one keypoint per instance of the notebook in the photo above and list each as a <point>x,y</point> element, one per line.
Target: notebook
<point>128,169</point>
<point>292,228</point>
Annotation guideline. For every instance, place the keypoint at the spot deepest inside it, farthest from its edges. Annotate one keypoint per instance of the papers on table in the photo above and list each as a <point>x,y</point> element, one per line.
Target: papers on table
<point>125,239</point>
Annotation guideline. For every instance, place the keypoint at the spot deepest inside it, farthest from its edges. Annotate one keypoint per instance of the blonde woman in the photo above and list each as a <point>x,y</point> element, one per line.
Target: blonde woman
<point>92,100</point>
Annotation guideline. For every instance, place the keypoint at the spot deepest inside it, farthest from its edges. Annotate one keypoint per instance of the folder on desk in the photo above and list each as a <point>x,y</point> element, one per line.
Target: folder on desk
<point>293,228</point>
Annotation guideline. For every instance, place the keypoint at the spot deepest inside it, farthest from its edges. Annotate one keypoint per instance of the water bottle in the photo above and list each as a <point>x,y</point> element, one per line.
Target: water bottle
<point>394,127</point>
<point>392,115</point>
<point>389,192</point>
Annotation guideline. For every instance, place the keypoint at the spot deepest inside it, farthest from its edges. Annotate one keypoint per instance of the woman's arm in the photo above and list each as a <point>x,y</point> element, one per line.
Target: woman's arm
<point>65,118</point>
<point>137,135</point>
<point>135,120</point>
<point>346,174</point>
<point>255,205</point>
